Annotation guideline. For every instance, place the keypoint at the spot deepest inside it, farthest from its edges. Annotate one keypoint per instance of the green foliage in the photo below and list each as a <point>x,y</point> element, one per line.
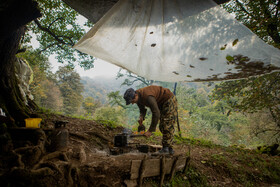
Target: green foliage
<point>192,177</point>
<point>51,97</point>
<point>189,99</point>
<point>193,141</point>
<point>214,121</point>
<point>211,116</point>
<point>108,123</point>
<point>57,31</point>
<point>132,78</point>
<point>219,158</point>
<point>270,150</point>
<point>71,88</point>
<point>255,94</point>
<point>116,99</point>
<point>99,87</point>
<point>261,17</point>
<point>115,114</point>
<point>202,112</point>
<point>90,105</point>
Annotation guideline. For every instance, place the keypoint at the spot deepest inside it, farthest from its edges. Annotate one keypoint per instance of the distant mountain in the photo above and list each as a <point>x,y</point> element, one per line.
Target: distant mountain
<point>99,87</point>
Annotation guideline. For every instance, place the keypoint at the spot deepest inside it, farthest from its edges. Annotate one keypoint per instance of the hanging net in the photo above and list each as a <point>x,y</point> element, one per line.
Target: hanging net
<point>178,40</point>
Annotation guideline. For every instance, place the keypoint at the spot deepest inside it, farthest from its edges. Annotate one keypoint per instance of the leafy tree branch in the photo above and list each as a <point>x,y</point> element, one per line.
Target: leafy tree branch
<point>132,78</point>
<point>116,99</point>
<point>57,31</point>
<point>57,38</point>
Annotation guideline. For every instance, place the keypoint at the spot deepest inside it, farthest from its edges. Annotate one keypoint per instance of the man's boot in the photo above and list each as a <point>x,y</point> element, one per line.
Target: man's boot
<point>164,150</point>
<point>171,151</point>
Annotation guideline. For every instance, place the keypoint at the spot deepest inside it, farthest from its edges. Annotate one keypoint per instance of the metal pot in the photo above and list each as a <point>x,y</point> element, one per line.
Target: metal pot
<point>121,140</point>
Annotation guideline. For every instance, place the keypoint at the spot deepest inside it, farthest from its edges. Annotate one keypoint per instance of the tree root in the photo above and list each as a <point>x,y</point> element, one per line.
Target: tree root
<point>72,175</point>
<point>30,155</point>
<point>20,164</point>
<point>79,136</point>
<point>57,154</point>
<point>41,172</point>
<point>99,136</point>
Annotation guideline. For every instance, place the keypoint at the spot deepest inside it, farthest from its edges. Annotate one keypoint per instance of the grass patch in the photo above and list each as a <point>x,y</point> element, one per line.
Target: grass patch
<point>192,141</point>
<point>192,177</point>
<point>108,123</point>
<point>246,167</point>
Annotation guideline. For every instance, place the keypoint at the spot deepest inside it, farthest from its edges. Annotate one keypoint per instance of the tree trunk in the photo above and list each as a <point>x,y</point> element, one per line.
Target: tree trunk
<point>16,14</point>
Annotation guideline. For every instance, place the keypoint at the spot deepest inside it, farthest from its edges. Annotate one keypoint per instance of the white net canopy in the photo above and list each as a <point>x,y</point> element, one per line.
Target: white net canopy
<point>178,40</point>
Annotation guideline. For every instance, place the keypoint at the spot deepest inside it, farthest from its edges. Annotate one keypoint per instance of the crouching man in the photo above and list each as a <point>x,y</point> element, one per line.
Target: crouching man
<point>163,105</point>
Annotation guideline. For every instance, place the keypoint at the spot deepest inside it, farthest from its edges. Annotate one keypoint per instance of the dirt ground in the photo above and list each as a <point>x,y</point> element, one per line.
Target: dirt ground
<point>79,154</point>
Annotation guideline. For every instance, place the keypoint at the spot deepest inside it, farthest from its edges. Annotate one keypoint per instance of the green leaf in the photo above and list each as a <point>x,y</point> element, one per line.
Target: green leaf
<point>229,58</point>
<point>224,47</point>
<point>235,42</point>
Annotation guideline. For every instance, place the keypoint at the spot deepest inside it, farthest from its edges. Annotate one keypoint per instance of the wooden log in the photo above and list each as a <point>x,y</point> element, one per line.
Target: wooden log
<point>131,183</point>
<point>186,164</point>
<point>142,171</point>
<point>152,167</point>
<point>162,171</point>
<point>173,168</point>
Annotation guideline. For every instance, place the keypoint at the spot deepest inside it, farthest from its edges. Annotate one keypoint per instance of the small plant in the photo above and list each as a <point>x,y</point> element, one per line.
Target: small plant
<point>270,150</point>
<point>206,143</point>
<point>108,123</point>
<point>218,157</point>
<point>190,178</point>
<point>157,133</point>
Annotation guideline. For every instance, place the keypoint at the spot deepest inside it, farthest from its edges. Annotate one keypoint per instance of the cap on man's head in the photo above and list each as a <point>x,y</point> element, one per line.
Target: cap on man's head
<point>129,95</point>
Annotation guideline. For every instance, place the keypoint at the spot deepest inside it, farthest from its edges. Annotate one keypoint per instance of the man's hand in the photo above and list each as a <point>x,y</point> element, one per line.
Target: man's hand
<point>148,134</point>
<point>140,121</point>
<point>141,128</point>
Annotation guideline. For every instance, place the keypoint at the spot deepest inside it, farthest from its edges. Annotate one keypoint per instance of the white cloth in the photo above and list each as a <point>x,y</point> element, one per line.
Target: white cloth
<point>178,40</point>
